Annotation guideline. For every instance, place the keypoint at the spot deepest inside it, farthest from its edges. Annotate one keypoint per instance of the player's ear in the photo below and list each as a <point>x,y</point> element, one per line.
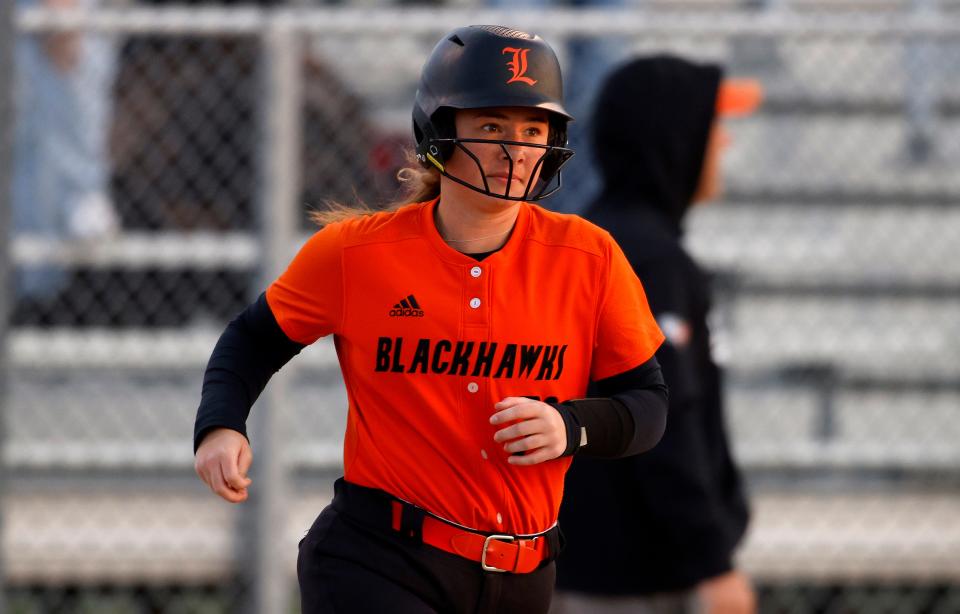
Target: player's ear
<point>445,123</point>
<point>428,130</point>
<point>554,160</point>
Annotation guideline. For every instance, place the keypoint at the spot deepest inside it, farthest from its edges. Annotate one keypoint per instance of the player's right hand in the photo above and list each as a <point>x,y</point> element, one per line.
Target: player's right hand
<point>222,462</point>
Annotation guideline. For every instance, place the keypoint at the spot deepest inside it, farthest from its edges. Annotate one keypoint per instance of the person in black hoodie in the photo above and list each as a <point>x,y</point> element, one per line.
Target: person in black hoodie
<point>656,532</point>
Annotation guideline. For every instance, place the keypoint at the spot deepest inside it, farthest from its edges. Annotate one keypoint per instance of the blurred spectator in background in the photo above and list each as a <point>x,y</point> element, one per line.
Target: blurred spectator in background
<point>187,139</point>
<point>185,142</point>
<point>60,165</point>
<point>186,133</point>
<point>656,533</point>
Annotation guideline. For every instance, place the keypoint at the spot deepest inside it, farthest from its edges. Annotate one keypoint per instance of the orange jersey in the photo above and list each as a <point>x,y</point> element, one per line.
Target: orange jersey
<point>429,339</point>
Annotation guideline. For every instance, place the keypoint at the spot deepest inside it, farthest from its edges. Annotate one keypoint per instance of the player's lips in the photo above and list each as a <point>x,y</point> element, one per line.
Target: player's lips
<point>504,177</point>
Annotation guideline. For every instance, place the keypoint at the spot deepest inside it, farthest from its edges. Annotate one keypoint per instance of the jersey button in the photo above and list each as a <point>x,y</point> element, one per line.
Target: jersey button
<point>475,271</point>
<point>483,454</point>
<point>474,302</point>
<point>473,387</point>
<point>499,518</point>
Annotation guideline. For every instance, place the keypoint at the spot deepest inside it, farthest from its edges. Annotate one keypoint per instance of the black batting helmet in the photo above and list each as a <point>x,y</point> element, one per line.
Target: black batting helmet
<point>490,66</point>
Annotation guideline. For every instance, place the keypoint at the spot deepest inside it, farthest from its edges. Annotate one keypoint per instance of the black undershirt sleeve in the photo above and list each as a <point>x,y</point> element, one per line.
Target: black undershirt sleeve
<point>251,349</point>
<point>628,417</point>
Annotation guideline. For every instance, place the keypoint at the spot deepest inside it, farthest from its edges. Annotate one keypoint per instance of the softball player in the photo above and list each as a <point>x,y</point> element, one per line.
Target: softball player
<point>468,322</point>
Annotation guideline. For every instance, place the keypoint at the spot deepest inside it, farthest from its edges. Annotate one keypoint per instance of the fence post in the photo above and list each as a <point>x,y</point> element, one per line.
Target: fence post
<point>267,560</point>
<point>6,202</point>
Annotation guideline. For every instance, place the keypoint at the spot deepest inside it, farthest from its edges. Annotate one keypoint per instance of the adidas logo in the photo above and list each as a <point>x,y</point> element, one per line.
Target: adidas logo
<point>407,308</point>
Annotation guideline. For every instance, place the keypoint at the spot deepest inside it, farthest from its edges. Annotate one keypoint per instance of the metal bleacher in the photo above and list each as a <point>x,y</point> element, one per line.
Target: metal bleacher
<point>839,260</point>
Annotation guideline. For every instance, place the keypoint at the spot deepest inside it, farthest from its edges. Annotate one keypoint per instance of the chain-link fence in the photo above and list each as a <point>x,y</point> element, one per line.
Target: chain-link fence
<point>164,161</point>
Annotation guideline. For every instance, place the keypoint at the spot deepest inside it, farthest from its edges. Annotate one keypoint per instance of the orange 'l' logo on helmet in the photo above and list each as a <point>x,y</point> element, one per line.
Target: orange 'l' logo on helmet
<point>518,65</point>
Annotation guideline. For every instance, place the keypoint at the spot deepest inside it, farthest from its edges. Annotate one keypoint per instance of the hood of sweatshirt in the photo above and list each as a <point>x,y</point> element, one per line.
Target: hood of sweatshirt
<point>651,123</point>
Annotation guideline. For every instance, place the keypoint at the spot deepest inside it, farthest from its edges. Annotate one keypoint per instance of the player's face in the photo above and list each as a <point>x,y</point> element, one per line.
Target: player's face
<point>522,125</point>
<point>711,178</point>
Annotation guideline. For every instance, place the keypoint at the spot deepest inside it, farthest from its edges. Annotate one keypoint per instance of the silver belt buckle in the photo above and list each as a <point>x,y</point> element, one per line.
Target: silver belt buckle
<point>483,557</point>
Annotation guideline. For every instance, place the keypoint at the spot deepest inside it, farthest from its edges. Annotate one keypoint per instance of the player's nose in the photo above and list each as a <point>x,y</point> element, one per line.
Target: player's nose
<point>517,153</point>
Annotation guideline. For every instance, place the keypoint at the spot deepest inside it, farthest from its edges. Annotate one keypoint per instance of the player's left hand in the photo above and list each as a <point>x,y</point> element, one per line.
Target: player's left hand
<point>536,430</point>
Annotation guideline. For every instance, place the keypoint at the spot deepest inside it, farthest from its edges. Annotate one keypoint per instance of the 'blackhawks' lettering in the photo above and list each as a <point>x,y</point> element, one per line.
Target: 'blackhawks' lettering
<point>476,358</point>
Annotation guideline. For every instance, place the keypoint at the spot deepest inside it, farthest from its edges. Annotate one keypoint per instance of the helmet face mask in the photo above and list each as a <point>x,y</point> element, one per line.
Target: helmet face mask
<point>534,190</point>
<point>478,67</point>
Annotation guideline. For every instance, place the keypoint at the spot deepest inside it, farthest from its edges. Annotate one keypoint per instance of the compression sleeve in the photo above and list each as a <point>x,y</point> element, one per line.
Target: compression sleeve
<point>251,349</point>
<point>628,418</point>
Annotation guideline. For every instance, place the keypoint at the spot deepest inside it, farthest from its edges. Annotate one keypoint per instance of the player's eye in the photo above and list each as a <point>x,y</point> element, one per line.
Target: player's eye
<point>490,128</point>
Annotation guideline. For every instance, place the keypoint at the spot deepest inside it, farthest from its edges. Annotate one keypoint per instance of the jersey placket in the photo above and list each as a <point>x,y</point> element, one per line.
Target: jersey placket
<point>475,389</point>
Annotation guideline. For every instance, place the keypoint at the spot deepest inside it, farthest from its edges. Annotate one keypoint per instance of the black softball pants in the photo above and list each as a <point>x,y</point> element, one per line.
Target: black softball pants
<point>348,566</point>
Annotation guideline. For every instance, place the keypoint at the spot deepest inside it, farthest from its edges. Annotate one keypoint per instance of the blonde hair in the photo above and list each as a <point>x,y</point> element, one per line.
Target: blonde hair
<point>417,184</point>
